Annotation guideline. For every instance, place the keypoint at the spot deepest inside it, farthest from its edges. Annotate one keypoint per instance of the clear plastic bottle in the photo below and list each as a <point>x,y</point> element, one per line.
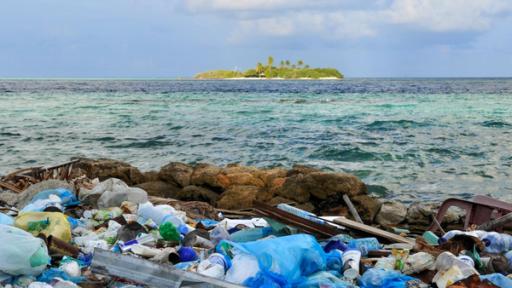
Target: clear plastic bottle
<point>497,242</point>
<point>301,213</point>
<point>450,234</point>
<point>159,214</point>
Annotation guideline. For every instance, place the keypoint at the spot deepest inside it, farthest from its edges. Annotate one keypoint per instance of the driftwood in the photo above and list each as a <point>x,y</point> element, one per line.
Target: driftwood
<point>352,209</point>
<point>372,230</point>
<point>496,223</point>
<point>19,180</point>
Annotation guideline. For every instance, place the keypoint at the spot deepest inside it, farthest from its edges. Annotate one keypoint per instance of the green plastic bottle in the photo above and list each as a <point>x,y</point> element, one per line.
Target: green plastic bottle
<point>169,232</point>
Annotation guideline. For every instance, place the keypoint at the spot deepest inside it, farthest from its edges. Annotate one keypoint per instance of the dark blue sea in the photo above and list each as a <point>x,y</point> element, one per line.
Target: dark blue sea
<point>411,139</point>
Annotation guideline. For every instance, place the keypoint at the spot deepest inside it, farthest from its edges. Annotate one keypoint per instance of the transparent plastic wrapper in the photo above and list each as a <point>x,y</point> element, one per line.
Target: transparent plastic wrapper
<point>21,253</point>
<point>48,223</point>
<point>418,262</point>
<point>284,260</point>
<point>376,278</point>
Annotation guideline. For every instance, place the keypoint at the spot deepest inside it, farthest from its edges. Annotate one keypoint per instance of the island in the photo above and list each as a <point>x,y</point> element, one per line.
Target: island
<point>285,70</point>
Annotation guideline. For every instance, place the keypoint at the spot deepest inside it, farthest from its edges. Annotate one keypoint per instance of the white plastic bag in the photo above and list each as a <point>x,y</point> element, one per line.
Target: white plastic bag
<point>21,253</point>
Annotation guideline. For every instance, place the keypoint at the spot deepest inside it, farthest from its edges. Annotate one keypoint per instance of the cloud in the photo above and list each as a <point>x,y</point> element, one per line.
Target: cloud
<point>345,19</point>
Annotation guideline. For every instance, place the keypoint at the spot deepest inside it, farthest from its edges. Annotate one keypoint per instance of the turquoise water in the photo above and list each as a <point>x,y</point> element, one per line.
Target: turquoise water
<point>409,139</point>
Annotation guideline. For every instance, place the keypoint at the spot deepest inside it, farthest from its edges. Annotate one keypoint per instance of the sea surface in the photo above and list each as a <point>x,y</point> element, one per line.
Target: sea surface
<point>410,139</point>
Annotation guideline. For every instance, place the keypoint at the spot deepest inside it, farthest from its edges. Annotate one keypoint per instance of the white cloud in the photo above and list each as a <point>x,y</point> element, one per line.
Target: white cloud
<point>346,19</point>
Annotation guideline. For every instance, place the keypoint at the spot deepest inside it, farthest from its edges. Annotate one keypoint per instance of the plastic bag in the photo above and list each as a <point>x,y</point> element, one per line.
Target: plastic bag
<point>497,279</point>
<point>48,223</point>
<point>114,192</point>
<point>6,219</point>
<point>67,197</point>
<point>284,260</point>
<point>380,278</point>
<point>325,280</point>
<point>21,253</point>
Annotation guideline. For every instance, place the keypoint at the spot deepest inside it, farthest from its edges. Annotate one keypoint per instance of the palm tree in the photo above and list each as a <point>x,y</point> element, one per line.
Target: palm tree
<point>281,63</point>
<point>300,63</point>
<point>270,61</point>
<point>306,66</point>
<point>259,69</point>
<point>287,62</point>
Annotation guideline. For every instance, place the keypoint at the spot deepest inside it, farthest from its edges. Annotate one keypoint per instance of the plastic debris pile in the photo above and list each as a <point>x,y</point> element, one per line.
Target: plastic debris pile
<point>60,238</point>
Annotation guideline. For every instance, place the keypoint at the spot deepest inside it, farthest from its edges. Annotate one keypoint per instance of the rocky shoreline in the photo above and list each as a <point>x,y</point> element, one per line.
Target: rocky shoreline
<point>236,187</point>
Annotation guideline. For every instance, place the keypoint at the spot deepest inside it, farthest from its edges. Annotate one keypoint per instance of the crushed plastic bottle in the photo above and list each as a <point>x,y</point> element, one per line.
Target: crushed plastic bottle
<point>364,244</point>
<point>497,242</point>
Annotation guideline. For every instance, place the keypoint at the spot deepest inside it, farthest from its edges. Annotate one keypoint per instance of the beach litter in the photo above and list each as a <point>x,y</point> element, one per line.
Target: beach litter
<point>108,234</point>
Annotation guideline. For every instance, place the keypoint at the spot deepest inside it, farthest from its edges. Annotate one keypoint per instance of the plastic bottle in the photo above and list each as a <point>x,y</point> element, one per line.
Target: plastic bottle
<point>218,234</point>
<point>147,238</point>
<point>364,244</point>
<point>497,242</point>
<point>450,234</point>
<point>351,259</point>
<point>251,234</point>
<point>376,278</point>
<point>160,214</point>
<point>169,232</point>
<point>508,255</point>
<point>301,213</point>
<point>215,266</point>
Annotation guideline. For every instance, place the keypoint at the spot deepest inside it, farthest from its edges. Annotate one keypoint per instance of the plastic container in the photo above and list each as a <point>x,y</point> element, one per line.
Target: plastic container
<point>301,213</point>
<point>497,242</point>
<point>430,238</point>
<point>187,254</point>
<point>351,259</point>
<point>251,234</point>
<point>21,253</point>
<point>364,244</point>
<point>48,223</point>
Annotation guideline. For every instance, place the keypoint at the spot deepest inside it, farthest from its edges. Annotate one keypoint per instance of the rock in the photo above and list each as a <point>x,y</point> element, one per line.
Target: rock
<point>176,172</point>
<point>278,200</point>
<point>210,176</point>
<point>236,168</point>
<point>453,215</point>
<point>160,188</point>
<point>269,175</point>
<point>150,176</point>
<point>104,169</point>
<point>9,198</point>
<point>27,195</point>
<point>367,207</point>
<point>420,214</point>
<point>238,197</point>
<point>324,187</point>
<point>307,206</point>
<point>301,169</point>
<point>294,187</point>
<point>245,178</point>
<point>391,213</point>
<point>196,193</point>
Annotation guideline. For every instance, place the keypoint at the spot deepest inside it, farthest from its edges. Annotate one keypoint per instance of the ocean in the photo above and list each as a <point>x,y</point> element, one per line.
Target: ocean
<point>408,139</point>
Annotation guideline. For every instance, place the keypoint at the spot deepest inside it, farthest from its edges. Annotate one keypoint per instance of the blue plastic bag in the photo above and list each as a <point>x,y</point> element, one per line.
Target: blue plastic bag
<point>380,278</point>
<point>283,261</point>
<point>497,279</point>
<point>68,197</point>
<point>6,219</point>
<point>49,274</point>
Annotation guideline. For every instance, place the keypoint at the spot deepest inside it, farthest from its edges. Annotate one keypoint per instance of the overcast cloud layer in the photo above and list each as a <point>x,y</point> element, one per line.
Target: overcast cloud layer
<point>171,38</point>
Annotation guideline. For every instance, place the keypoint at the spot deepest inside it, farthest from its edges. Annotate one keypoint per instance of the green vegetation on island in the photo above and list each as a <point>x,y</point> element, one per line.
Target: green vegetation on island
<point>285,70</point>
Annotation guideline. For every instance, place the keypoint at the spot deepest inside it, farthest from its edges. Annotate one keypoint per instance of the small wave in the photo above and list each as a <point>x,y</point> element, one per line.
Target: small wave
<point>386,125</point>
<point>496,124</point>
<point>349,155</point>
<point>10,134</point>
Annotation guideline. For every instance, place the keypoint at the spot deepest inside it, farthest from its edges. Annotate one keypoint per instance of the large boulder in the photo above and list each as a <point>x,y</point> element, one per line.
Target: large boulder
<point>324,187</point>
<point>245,178</point>
<point>367,207</point>
<point>391,213</point>
<point>420,214</point>
<point>104,169</point>
<point>269,175</point>
<point>160,189</point>
<point>176,172</point>
<point>238,197</point>
<point>210,176</point>
<point>196,193</point>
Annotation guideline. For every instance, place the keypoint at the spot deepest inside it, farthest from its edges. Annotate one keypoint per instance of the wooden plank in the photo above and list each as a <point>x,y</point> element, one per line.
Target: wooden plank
<point>352,209</point>
<point>372,230</point>
<point>496,223</point>
<point>10,187</point>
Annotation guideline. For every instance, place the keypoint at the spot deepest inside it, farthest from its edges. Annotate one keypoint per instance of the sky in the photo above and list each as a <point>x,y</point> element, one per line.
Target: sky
<point>179,38</point>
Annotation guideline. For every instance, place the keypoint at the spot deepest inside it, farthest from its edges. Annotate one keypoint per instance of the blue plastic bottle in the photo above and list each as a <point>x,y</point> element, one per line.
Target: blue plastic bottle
<point>497,242</point>
<point>364,244</point>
